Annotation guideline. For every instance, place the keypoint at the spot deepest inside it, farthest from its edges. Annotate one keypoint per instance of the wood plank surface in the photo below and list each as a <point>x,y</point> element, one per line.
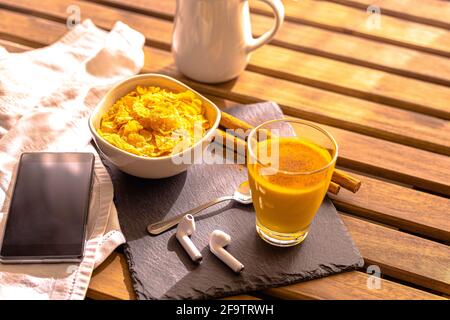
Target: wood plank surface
<point>373,85</point>
<point>421,168</point>
<point>404,208</point>
<point>432,12</point>
<point>336,76</point>
<point>330,74</point>
<point>12,46</point>
<point>317,41</point>
<point>111,280</point>
<point>361,82</point>
<point>359,51</point>
<point>343,19</point>
<point>401,255</point>
<point>335,109</point>
<point>338,46</point>
<point>349,285</point>
<point>349,20</point>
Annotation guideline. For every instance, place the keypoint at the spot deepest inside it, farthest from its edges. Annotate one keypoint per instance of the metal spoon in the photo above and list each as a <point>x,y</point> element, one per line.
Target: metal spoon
<point>242,195</point>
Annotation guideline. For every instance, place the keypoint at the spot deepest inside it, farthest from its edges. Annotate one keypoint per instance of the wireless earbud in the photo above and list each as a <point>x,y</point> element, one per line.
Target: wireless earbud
<point>217,241</point>
<point>186,228</point>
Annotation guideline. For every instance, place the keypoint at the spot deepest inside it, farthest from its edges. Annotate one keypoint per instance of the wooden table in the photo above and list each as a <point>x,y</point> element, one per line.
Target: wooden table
<point>383,92</point>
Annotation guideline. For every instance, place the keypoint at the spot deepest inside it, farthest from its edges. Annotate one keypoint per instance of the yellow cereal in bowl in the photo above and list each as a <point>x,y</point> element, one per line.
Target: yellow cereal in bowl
<point>154,122</point>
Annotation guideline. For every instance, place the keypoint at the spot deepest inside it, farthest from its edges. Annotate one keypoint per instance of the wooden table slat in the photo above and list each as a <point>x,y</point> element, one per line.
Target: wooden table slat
<point>432,12</point>
<point>401,255</point>
<point>349,20</point>
<point>360,51</point>
<point>313,104</point>
<point>404,208</point>
<point>112,280</point>
<point>13,47</point>
<point>351,80</point>
<point>349,286</point>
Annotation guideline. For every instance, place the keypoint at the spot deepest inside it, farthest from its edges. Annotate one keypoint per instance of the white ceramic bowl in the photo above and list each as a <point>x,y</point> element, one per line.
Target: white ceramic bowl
<point>146,167</point>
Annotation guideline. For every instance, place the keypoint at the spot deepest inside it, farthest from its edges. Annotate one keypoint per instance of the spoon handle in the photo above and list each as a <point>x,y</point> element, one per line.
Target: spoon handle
<point>161,226</point>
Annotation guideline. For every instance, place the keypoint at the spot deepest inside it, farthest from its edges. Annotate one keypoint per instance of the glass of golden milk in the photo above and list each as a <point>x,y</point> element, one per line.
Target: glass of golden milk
<point>290,164</point>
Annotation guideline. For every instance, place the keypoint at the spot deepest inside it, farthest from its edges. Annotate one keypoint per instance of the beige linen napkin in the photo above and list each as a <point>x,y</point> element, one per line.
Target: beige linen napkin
<point>46,96</point>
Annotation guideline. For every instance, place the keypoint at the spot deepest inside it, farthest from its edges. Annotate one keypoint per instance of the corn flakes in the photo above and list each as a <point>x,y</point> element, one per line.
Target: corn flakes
<point>152,122</point>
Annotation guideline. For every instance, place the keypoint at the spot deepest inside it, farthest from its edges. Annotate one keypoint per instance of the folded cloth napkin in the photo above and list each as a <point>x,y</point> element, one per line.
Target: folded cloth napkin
<point>46,96</point>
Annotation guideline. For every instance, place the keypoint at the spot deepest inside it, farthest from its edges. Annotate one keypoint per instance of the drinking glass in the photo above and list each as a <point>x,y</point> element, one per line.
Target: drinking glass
<point>290,164</point>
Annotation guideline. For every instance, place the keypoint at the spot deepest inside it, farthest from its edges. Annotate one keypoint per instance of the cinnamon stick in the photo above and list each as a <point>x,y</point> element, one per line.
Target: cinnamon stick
<point>346,181</point>
<point>334,188</point>
<point>227,139</point>
<point>339,177</point>
<point>230,122</point>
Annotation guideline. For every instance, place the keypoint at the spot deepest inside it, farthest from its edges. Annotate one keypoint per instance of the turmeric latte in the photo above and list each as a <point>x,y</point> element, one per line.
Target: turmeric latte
<point>287,198</point>
<point>151,121</point>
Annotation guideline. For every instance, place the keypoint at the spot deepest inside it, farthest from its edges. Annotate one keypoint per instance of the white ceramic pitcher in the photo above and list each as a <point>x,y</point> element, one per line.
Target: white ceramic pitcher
<point>212,39</point>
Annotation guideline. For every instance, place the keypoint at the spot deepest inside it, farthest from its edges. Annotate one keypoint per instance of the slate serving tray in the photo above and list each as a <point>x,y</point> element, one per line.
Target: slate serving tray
<point>160,268</point>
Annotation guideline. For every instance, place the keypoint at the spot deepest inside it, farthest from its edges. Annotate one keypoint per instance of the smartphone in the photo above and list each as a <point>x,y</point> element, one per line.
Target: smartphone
<point>47,217</point>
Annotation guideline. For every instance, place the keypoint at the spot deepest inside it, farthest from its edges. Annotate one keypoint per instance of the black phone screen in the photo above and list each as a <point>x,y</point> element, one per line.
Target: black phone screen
<point>49,206</point>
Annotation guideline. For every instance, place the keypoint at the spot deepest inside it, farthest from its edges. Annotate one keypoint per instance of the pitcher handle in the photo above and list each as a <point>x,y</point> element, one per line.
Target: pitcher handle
<point>278,9</point>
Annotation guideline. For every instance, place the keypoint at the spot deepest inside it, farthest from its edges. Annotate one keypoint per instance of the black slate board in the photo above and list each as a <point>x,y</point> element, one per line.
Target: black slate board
<point>160,269</point>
